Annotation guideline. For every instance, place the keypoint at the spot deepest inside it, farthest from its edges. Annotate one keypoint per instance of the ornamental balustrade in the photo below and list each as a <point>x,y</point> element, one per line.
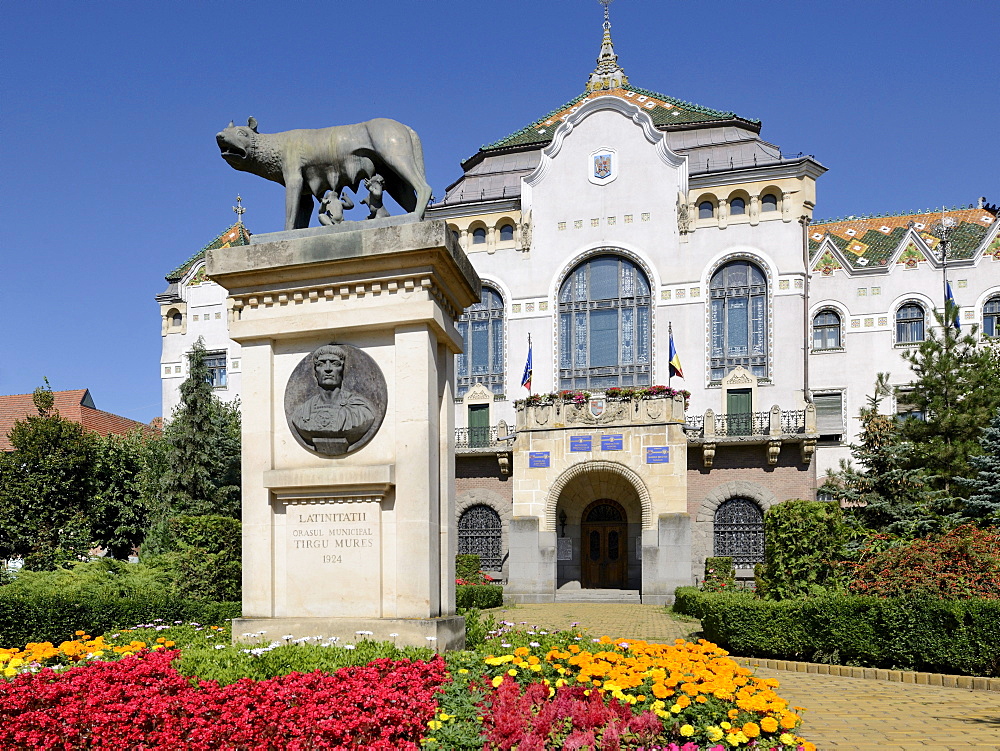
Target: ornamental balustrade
<point>772,429</point>
<point>583,410</point>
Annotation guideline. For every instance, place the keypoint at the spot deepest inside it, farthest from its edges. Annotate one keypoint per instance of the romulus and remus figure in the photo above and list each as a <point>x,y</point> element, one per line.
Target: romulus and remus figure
<point>311,162</point>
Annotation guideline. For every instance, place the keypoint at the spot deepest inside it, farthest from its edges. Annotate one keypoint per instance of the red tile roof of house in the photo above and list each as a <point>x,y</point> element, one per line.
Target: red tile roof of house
<point>76,406</point>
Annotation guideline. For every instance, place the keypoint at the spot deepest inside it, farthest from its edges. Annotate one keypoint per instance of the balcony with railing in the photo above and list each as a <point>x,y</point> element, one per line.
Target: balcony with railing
<point>771,429</point>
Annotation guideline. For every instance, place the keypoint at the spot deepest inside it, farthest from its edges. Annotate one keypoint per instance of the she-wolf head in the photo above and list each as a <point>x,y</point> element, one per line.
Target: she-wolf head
<point>236,141</point>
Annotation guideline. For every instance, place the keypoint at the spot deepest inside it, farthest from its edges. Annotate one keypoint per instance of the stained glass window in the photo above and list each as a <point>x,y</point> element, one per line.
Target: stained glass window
<point>739,532</point>
<point>991,317</point>
<point>738,327</point>
<point>481,329</point>
<point>604,325</point>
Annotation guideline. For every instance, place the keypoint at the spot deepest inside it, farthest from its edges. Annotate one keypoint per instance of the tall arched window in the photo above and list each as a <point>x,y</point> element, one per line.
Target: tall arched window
<point>739,532</point>
<point>481,328</point>
<point>738,319</point>
<point>479,534</point>
<point>737,207</point>
<point>991,317</point>
<point>909,324</point>
<point>826,330</point>
<point>604,325</point>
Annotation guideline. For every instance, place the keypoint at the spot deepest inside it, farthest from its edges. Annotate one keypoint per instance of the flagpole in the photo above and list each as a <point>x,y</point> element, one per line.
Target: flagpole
<point>530,391</point>
<point>670,336</point>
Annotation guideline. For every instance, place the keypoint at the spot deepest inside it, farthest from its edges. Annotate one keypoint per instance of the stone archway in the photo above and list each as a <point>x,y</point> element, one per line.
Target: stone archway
<point>703,532</point>
<point>579,490</point>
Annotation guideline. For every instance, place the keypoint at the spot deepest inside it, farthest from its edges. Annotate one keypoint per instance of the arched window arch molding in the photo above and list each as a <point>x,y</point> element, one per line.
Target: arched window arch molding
<point>557,487</point>
<point>836,306</point>
<point>841,329</point>
<point>739,193</point>
<point>483,497</point>
<point>709,198</point>
<point>498,225</point>
<point>703,532</point>
<point>770,274</point>
<point>774,190</point>
<point>599,249</point>
<point>925,303</point>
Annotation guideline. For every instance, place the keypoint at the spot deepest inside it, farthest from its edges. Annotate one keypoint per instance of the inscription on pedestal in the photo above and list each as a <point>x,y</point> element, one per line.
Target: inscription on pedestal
<point>334,558</point>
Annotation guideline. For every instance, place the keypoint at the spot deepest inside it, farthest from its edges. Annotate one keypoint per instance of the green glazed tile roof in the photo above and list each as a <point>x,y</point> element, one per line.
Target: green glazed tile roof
<point>234,235</point>
<point>664,110</point>
<point>870,241</point>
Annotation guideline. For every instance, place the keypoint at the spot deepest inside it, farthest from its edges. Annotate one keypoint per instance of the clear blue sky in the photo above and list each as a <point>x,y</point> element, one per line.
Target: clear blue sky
<point>111,176</point>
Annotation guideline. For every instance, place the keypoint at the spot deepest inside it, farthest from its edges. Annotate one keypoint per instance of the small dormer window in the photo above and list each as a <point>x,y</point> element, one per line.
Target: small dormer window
<point>706,210</point>
<point>769,202</point>
<point>479,236</point>
<point>507,233</point>
<point>737,207</point>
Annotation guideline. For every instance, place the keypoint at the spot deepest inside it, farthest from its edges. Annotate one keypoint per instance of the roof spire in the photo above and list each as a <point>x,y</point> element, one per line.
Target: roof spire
<point>608,74</point>
<point>238,208</point>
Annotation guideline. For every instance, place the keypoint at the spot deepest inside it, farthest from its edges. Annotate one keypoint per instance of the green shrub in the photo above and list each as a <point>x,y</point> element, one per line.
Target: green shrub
<point>477,627</point>
<point>204,559</point>
<point>102,577</point>
<point>804,541</point>
<point>480,596</point>
<point>467,566</point>
<point>946,636</point>
<point>55,617</point>
<point>720,574</point>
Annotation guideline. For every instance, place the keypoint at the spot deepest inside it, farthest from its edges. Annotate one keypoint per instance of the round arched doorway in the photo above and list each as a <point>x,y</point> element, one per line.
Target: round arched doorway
<point>604,529</point>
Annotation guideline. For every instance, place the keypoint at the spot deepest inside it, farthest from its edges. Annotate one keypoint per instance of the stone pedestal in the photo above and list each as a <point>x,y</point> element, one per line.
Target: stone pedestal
<point>349,534</point>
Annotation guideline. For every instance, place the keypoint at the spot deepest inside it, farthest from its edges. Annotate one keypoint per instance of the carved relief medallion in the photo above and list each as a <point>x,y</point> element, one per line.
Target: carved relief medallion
<point>335,400</point>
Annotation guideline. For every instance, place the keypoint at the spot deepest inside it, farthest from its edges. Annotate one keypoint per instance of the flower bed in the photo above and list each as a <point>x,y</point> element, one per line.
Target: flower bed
<point>528,689</point>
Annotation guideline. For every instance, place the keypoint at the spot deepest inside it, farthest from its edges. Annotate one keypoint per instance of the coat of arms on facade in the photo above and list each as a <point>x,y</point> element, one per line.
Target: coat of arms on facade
<point>597,407</point>
<point>602,166</point>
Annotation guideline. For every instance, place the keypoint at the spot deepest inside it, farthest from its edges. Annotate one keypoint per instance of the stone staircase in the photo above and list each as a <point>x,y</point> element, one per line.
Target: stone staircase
<point>607,596</point>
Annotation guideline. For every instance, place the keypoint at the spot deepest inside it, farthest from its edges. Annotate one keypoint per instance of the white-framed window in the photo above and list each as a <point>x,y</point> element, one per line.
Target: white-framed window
<point>826,330</point>
<point>216,364</point>
<point>909,323</point>
<point>991,317</point>
<point>605,325</point>
<point>481,327</point>
<point>738,325</point>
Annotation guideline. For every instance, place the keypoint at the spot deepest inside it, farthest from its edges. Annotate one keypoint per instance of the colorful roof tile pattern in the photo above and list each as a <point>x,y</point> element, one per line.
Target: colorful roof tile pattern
<point>871,241</point>
<point>233,236</point>
<point>664,110</point>
<point>76,406</point>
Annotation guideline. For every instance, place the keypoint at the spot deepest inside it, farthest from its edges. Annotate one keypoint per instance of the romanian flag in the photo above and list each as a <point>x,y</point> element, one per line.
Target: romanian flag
<point>526,378</point>
<point>675,360</point>
<point>951,298</point>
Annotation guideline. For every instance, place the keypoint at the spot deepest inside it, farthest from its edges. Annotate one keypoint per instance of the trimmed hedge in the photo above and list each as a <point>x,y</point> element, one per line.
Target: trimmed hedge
<point>941,636</point>
<point>480,596</point>
<point>55,618</point>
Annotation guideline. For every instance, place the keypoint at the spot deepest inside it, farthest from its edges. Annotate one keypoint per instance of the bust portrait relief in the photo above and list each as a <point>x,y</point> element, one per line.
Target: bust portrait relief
<point>335,399</point>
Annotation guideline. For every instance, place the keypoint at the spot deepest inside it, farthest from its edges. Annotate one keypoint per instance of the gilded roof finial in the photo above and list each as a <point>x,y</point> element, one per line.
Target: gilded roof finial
<point>608,74</point>
<point>238,208</point>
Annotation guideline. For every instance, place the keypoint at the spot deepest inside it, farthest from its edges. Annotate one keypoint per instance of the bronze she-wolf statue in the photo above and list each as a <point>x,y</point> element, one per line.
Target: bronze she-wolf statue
<point>311,162</point>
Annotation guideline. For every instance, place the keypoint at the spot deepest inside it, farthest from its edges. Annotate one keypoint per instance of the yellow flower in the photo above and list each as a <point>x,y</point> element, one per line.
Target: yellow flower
<point>512,671</point>
<point>9,672</point>
<point>463,671</point>
<point>768,724</point>
<point>444,716</point>
<point>676,708</point>
<point>751,730</point>
<point>434,725</point>
<point>725,726</point>
<point>687,731</point>
<point>735,739</point>
<point>714,733</point>
<point>497,681</point>
<point>787,739</point>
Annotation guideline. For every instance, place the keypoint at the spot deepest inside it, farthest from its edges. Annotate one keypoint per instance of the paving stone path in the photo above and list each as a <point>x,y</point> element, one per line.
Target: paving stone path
<point>845,714</point>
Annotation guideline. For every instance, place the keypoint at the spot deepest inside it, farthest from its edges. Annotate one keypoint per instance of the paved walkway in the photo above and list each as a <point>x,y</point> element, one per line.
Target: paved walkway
<point>845,714</point>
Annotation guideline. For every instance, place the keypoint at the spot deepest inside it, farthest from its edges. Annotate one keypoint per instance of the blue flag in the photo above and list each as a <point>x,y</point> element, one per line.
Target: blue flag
<point>951,298</point>
<point>526,378</point>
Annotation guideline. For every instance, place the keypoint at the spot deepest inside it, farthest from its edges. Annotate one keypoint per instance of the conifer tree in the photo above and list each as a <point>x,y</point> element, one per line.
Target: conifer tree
<point>879,488</point>
<point>202,472</point>
<point>983,504</point>
<point>954,387</point>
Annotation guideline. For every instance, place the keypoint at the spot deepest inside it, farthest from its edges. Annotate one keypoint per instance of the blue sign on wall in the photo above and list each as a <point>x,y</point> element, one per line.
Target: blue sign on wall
<point>580,443</point>
<point>657,454</point>
<point>538,459</point>
<point>611,443</point>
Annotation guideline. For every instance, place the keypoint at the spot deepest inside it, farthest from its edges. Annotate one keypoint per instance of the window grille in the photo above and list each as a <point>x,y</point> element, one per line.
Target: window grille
<point>481,329</point>
<point>479,534</point>
<point>739,532</point>
<point>738,320</point>
<point>605,325</point>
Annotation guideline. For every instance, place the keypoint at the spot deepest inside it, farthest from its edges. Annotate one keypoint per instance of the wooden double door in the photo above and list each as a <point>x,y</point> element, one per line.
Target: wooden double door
<point>605,543</point>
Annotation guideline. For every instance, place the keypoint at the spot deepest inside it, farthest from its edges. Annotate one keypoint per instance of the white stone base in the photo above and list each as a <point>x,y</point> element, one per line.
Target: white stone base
<point>440,634</point>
